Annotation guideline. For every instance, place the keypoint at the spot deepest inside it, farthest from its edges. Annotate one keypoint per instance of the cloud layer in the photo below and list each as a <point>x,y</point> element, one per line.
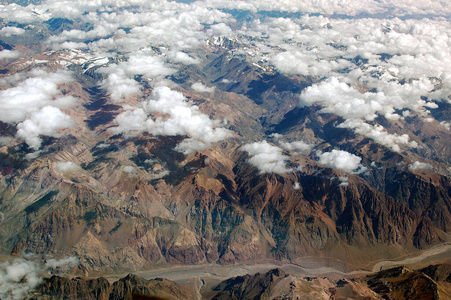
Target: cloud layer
<point>20,277</point>
<point>417,165</point>
<point>35,106</point>
<point>168,113</point>
<point>341,160</point>
<point>347,7</point>
<point>267,158</point>
<point>67,167</point>
<point>375,64</point>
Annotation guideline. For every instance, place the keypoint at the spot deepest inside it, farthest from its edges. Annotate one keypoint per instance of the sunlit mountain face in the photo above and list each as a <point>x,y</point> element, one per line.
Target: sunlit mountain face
<point>143,135</point>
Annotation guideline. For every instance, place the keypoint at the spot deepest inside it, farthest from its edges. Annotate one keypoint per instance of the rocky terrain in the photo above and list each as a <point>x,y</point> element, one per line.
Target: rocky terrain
<point>211,205</point>
<point>138,136</point>
<point>432,282</point>
<point>129,287</point>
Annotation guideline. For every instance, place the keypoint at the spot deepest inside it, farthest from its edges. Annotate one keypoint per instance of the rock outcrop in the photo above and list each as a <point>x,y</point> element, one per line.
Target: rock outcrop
<point>129,287</point>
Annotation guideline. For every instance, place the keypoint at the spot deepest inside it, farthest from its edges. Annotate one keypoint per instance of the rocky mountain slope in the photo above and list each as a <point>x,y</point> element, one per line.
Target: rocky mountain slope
<point>134,202</point>
<point>130,144</point>
<point>432,282</point>
<point>129,287</point>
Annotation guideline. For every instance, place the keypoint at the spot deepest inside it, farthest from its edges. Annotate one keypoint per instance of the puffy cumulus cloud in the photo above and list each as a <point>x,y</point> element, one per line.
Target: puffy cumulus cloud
<point>148,38</point>
<point>47,121</point>
<point>267,158</point>
<point>348,7</point>
<point>34,104</point>
<point>351,7</point>
<point>120,83</point>
<point>220,29</point>
<point>182,28</point>
<point>395,57</point>
<point>168,113</point>
<point>201,88</point>
<point>379,134</point>
<point>14,79</point>
<point>40,90</point>
<point>70,46</point>
<point>6,141</point>
<point>67,167</point>
<point>158,23</point>
<point>130,170</point>
<point>297,146</point>
<point>9,54</point>
<point>417,165</point>
<point>120,87</point>
<point>416,7</point>
<point>344,181</point>
<point>18,14</point>
<point>341,99</point>
<point>391,68</point>
<point>415,47</point>
<point>345,101</point>
<point>341,160</point>
<point>183,58</point>
<point>307,64</point>
<point>65,263</point>
<point>445,124</point>
<point>132,121</point>
<point>20,277</point>
<point>11,31</point>
<point>147,64</point>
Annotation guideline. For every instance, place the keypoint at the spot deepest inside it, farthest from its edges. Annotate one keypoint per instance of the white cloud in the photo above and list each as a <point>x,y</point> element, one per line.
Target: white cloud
<point>297,146</point>
<point>445,124</point>
<point>341,99</point>
<point>20,277</point>
<point>168,113</point>
<point>345,101</point>
<point>17,13</point>
<point>120,83</point>
<point>183,58</point>
<point>266,157</point>
<point>146,64</point>
<point>35,105</point>
<point>9,54</point>
<point>201,88</point>
<point>47,121</point>
<point>143,63</point>
<point>67,262</point>
<point>12,275</point>
<point>348,7</point>
<point>11,31</point>
<point>31,95</point>
<point>67,167</point>
<point>220,29</point>
<point>132,171</point>
<point>6,141</point>
<point>153,38</point>
<point>307,64</point>
<point>70,46</point>
<point>419,166</point>
<point>131,122</point>
<point>120,87</point>
<point>341,160</point>
<point>344,181</point>
<point>379,134</point>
